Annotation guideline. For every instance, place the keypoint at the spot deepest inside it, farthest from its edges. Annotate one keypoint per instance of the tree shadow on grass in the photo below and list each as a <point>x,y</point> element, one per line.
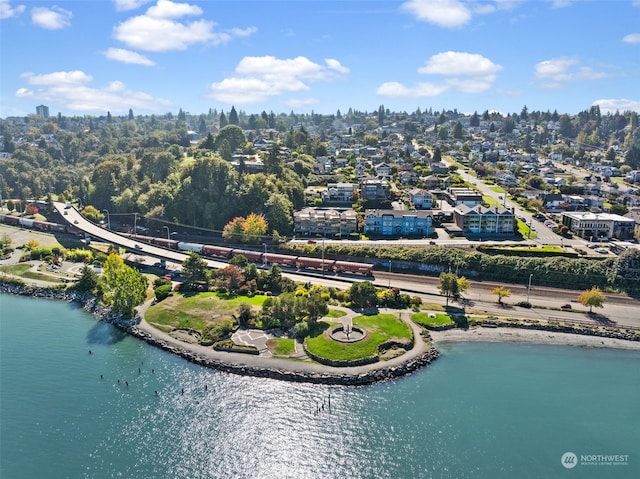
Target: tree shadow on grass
<point>319,328</point>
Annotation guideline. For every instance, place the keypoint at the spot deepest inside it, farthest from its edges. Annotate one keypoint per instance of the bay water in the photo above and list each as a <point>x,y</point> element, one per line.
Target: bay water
<point>81,399</point>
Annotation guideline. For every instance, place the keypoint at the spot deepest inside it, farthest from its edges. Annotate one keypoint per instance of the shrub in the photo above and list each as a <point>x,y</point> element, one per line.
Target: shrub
<point>163,291</point>
<point>301,329</point>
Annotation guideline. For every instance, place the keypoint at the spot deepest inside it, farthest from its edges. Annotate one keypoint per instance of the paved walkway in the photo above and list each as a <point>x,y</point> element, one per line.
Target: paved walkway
<point>262,361</point>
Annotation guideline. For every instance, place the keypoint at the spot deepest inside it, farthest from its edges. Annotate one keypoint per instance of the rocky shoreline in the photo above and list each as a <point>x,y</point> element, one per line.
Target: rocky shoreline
<point>327,375</point>
<point>91,305</point>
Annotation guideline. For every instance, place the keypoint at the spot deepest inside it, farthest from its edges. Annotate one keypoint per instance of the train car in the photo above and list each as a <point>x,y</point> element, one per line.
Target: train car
<point>165,243</point>
<point>141,238</point>
<point>196,247</point>
<point>280,259</point>
<point>352,267</point>
<point>40,225</point>
<point>28,222</point>
<point>73,230</point>
<point>315,263</point>
<point>217,251</point>
<point>255,256</point>
<point>58,228</point>
<point>12,220</point>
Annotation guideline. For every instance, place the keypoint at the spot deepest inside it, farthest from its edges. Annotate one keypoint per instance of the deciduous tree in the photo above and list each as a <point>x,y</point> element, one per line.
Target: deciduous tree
<point>592,297</point>
<point>501,292</point>
<point>122,287</point>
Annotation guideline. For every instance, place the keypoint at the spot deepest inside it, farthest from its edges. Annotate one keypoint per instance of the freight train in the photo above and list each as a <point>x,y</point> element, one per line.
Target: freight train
<point>39,224</point>
<point>290,261</point>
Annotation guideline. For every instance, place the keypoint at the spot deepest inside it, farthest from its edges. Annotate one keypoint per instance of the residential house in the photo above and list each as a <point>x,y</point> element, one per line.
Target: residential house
<point>431,182</point>
<point>408,177</point>
<point>398,223</point>
<point>339,193</point>
<point>374,190</point>
<point>464,196</point>
<point>421,199</point>
<point>323,165</point>
<point>383,170</point>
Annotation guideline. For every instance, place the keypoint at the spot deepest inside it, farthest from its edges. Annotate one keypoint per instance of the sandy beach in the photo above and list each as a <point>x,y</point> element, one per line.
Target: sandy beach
<point>529,336</point>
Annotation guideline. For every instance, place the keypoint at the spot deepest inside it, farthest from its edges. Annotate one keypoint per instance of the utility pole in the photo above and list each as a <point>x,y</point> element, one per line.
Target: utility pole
<point>529,287</point>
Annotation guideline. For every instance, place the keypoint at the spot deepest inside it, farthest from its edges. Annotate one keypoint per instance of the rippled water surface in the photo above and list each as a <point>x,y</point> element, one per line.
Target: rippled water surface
<point>481,410</point>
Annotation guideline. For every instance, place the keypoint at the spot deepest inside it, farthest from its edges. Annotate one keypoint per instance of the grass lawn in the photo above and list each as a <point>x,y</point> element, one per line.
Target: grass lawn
<point>497,189</point>
<point>491,201</point>
<point>336,313</point>
<point>380,328</point>
<point>281,346</point>
<point>22,270</point>
<point>424,320</point>
<point>196,311</point>
<point>524,230</point>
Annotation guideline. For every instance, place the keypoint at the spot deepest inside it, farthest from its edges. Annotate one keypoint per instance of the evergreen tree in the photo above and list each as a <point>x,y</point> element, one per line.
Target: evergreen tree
<point>223,120</point>
<point>130,114</point>
<point>233,116</point>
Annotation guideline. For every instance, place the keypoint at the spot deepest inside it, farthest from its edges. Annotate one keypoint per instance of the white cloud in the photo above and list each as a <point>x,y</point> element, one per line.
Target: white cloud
<point>636,3</point>
<point>632,37</point>
<point>169,9</point>
<point>463,72</point>
<point>334,64</point>
<point>124,5</point>
<point>7,11</point>
<point>74,77</point>
<point>302,102</point>
<point>396,89</point>
<point>158,30</point>
<point>444,13</point>
<point>554,73</point>
<point>127,56</point>
<point>459,63</point>
<point>256,79</point>
<point>242,32</point>
<point>561,3</point>
<point>53,18</point>
<point>72,89</point>
<point>617,104</point>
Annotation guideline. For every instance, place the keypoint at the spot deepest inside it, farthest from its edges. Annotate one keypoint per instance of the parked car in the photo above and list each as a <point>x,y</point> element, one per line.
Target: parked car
<point>566,306</point>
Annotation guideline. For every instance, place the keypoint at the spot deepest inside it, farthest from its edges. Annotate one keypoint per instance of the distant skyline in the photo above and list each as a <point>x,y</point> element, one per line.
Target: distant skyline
<point>155,57</point>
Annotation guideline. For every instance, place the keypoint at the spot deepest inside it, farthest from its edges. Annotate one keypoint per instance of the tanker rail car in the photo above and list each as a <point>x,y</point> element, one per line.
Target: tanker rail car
<point>288,261</point>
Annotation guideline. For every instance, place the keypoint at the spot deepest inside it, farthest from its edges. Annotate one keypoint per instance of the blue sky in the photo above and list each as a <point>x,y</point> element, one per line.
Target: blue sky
<point>90,57</point>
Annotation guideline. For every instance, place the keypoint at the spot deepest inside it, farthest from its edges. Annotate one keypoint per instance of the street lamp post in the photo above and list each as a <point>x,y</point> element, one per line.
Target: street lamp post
<point>529,287</point>
<point>264,258</point>
<point>135,223</point>
<point>108,220</point>
<point>168,232</point>
<point>322,264</point>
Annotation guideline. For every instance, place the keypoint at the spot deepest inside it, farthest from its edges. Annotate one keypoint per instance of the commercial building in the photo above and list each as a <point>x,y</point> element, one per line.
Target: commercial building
<point>43,111</point>
<point>597,226</point>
